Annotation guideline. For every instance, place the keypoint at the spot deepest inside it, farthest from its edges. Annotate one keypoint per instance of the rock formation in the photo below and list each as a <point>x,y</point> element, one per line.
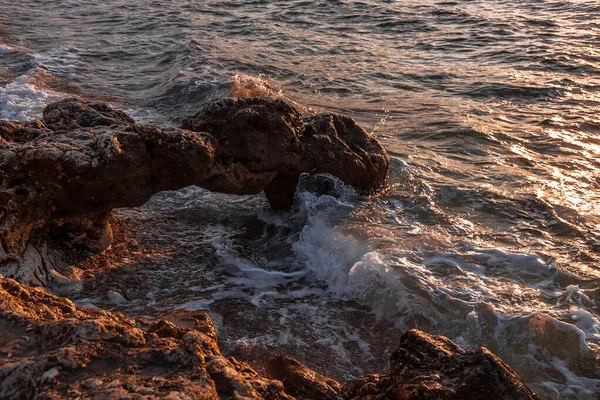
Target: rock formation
<point>51,349</point>
<point>434,367</point>
<point>423,367</point>
<point>59,178</point>
<point>267,135</point>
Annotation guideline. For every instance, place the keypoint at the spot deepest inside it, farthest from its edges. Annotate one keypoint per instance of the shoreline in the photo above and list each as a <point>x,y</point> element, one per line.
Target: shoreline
<point>59,243</point>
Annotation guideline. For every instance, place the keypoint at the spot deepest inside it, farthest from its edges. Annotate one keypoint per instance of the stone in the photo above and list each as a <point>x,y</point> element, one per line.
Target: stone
<point>60,178</point>
<point>51,349</point>
<point>302,382</point>
<point>269,134</point>
<point>72,113</point>
<point>115,297</point>
<point>433,367</point>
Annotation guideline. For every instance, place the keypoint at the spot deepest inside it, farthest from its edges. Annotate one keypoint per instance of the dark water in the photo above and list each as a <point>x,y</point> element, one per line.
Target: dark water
<point>490,230</point>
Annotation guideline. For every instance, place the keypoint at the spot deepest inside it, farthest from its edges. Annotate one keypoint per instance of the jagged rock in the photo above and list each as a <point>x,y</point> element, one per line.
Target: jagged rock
<point>60,178</point>
<point>433,367</point>
<point>423,367</point>
<point>50,349</point>
<point>270,134</point>
<point>70,114</point>
<point>302,382</point>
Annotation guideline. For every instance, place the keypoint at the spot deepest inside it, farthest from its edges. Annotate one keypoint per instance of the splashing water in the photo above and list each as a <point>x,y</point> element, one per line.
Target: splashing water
<point>489,232</point>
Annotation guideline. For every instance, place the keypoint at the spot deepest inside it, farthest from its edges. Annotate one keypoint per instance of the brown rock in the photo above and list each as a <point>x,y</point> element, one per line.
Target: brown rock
<point>302,382</point>
<point>433,367</point>
<point>70,114</point>
<point>59,181</point>
<point>50,349</point>
<point>271,135</point>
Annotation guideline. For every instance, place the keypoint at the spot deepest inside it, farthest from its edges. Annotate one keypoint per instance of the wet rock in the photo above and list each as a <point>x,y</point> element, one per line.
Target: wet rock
<point>70,114</point>
<point>115,297</point>
<point>51,349</point>
<point>302,382</point>
<point>269,134</point>
<point>59,179</point>
<point>434,367</point>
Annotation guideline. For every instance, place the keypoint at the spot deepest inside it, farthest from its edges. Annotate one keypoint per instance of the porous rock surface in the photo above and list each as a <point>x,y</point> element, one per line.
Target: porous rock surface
<point>423,367</point>
<point>61,177</point>
<point>271,135</point>
<point>51,349</point>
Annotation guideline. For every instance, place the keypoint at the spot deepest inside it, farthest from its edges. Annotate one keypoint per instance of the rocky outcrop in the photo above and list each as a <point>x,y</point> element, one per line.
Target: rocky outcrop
<point>51,349</point>
<point>59,178</point>
<point>270,135</point>
<point>423,367</point>
<point>302,382</point>
<point>70,114</point>
<point>434,367</point>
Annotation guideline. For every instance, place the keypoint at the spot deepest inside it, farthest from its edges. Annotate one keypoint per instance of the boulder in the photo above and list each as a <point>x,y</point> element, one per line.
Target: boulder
<point>60,178</point>
<point>70,114</point>
<point>434,367</point>
<point>302,382</point>
<point>268,134</point>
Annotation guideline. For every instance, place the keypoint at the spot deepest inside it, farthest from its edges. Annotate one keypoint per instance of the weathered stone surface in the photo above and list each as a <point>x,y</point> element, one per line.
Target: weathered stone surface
<point>302,382</point>
<point>271,135</point>
<point>70,114</point>
<point>60,178</point>
<point>50,349</point>
<point>433,367</point>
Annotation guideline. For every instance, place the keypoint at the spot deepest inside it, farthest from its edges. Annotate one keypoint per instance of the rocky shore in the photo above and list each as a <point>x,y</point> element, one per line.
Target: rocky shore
<point>61,177</point>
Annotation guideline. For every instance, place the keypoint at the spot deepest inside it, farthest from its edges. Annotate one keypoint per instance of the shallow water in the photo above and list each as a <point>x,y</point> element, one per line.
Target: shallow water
<point>489,232</point>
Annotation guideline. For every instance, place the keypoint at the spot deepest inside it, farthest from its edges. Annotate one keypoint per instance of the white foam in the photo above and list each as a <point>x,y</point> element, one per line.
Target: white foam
<point>21,101</point>
<point>461,294</point>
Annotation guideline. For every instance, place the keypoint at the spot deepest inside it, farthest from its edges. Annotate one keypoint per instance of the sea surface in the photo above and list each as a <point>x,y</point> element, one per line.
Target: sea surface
<point>489,231</point>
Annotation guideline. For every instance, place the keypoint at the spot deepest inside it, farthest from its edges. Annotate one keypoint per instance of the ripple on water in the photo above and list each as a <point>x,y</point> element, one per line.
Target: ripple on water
<point>488,232</point>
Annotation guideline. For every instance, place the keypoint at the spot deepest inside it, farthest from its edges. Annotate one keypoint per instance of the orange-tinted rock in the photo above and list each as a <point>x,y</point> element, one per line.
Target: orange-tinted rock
<point>302,382</point>
<point>60,179</point>
<point>51,349</point>
<point>433,367</point>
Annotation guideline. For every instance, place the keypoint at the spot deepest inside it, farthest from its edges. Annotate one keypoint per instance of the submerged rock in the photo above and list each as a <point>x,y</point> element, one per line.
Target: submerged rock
<point>49,348</point>
<point>59,179</point>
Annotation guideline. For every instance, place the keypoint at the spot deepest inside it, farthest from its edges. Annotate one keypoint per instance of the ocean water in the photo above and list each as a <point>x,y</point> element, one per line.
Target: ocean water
<point>489,230</point>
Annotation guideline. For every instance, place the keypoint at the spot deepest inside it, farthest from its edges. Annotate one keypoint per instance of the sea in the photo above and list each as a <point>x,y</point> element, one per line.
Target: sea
<point>488,231</point>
